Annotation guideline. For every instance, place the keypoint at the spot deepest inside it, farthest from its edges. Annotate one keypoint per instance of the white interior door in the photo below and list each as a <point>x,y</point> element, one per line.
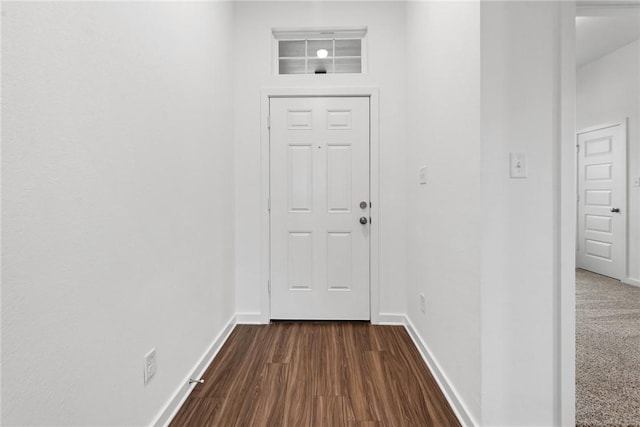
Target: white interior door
<point>319,189</point>
<point>602,207</point>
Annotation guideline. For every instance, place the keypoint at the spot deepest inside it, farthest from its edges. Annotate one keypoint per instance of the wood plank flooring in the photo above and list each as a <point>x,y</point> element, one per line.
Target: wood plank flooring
<point>317,374</point>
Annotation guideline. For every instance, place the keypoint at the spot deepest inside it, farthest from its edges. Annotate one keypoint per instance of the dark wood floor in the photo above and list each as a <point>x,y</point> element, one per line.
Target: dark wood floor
<point>317,374</point>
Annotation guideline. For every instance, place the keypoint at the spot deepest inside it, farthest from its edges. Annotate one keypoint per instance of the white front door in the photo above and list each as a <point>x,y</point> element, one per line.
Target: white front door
<point>602,207</point>
<point>319,189</point>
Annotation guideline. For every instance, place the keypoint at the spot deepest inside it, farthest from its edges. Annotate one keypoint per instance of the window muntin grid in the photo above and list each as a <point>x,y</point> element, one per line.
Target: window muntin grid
<point>300,56</point>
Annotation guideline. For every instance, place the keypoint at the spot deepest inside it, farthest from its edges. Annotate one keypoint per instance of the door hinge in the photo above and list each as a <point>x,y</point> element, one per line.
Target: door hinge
<point>578,147</point>
<point>269,122</point>
<point>269,286</point>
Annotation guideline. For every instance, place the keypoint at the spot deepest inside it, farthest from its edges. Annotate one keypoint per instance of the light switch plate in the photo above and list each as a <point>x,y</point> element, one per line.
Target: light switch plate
<point>149,365</point>
<point>423,175</point>
<point>518,165</point>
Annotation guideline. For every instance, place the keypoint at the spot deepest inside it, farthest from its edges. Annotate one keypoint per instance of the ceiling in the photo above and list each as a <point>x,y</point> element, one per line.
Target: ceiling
<point>597,36</point>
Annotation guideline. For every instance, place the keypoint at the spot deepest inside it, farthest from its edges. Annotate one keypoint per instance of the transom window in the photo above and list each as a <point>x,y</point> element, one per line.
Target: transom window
<point>319,52</point>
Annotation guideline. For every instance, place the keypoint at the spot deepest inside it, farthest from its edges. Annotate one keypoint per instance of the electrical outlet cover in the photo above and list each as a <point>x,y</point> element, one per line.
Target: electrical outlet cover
<point>149,365</point>
<point>423,175</point>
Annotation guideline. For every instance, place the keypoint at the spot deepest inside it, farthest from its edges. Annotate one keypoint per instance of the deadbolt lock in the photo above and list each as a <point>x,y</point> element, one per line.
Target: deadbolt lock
<point>363,205</point>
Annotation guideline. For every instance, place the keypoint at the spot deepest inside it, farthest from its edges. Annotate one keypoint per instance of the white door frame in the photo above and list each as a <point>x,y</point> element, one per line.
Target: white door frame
<point>265,240</point>
<point>565,158</point>
<point>566,162</point>
<point>624,123</point>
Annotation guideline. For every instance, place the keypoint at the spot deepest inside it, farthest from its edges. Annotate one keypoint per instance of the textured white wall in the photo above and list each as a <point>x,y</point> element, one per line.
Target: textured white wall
<point>443,224</point>
<point>520,272</point>
<point>117,204</point>
<point>608,90</point>
<point>253,24</point>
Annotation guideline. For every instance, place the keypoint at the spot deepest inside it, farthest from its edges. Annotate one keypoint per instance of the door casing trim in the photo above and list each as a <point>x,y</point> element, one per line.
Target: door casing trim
<point>374,152</point>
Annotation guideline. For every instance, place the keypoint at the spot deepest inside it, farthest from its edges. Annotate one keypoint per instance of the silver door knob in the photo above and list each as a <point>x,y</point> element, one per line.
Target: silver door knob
<point>615,210</point>
<point>363,220</point>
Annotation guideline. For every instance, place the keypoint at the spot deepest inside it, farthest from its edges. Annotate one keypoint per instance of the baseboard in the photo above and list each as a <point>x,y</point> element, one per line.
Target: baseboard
<point>631,281</point>
<point>449,391</point>
<point>251,319</point>
<point>390,319</point>
<point>175,403</point>
<point>380,319</point>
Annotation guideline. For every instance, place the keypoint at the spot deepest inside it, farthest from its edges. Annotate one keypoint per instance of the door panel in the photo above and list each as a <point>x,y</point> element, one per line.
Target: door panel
<point>602,190</point>
<point>300,178</point>
<point>339,175</point>
<point>300,260</point>
<point>319,175</point>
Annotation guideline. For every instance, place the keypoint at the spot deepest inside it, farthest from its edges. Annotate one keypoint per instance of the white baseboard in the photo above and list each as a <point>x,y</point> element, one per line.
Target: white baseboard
<point>251,319</point>
<point>448,390</point>
<point>631,281</point>
<point>380,319</point>
<point>175,403</point>
<point>390,319</point>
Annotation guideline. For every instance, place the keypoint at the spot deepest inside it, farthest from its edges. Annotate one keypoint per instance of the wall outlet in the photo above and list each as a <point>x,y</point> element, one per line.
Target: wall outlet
<point>423,175</point>
<point>422,303</point>
<point>149,365</point>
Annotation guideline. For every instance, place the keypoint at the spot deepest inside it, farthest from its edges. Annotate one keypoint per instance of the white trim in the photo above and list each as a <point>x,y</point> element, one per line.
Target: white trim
<point>565,224</point>
<point>607,8</point>
<point>391,319</point>
<point>288,92</point>
<point>598,127</point>
<point>180,396</point>
<point>631,281</point>
<point>250,319</point>
<point>265,237</point>
<point>319,33</point>
<point>374,188</point>
<point>374,111</point>
<point>449,391</point>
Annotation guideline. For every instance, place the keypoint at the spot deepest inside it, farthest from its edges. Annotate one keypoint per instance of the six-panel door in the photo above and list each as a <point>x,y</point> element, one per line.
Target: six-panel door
<point>319,177</point>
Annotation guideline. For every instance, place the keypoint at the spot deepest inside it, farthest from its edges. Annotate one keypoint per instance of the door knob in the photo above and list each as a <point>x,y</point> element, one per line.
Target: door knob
<point>363,220</point>
<point>363,205</point>
<point>615,210</point>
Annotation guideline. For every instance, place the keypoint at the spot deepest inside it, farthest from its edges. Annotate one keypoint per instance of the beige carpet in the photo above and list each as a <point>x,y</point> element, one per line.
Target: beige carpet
<point>607,352</point>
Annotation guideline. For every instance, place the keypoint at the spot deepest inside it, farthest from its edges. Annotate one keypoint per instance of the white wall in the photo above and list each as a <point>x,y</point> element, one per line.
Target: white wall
<point>253,24</point>
<point>521,96</point>
<point>443,224</point>
<point>608,91</point>
<point>117,204</point>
